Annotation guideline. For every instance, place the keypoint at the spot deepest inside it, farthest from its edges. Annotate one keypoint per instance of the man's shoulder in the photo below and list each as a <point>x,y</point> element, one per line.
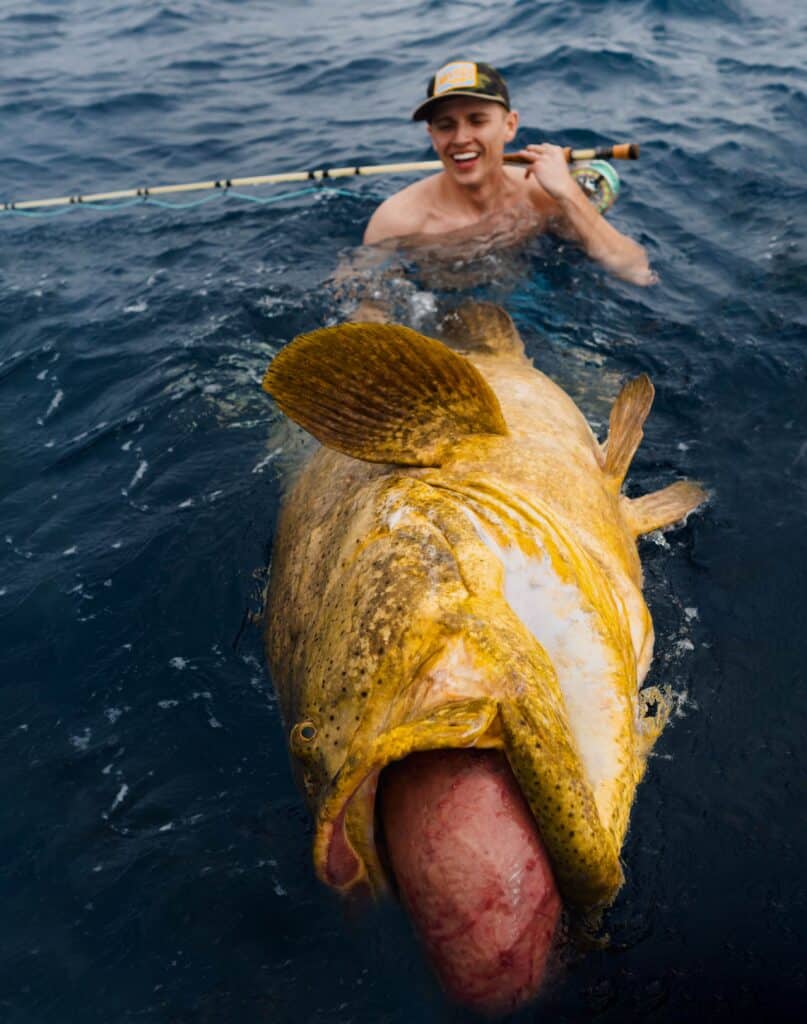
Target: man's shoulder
<point>404,213</point>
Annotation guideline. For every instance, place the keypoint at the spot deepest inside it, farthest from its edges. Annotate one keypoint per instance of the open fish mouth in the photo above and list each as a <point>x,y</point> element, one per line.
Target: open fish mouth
<point>473,874</point>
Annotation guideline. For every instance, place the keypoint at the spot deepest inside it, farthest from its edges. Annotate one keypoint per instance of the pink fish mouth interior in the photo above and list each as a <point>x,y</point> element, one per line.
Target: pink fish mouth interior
<point>473,874</point>
<point>342,864</point>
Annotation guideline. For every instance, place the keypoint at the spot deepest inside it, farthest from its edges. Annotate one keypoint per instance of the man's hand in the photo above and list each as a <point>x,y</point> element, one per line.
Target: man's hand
<point>578,219</point>
<point>549,168</point>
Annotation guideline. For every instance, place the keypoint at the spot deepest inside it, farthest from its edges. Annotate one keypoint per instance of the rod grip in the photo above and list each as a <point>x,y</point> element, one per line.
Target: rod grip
<point>620,151</point>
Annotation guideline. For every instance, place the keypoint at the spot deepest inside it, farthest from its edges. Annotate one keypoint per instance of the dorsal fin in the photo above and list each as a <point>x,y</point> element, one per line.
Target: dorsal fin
<point>625,426</point>
<point>482,327</point>
<point>663,508</point>
<point>382,393</point>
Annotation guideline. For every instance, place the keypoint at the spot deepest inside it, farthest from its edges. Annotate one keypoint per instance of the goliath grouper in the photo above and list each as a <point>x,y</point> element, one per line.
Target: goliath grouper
<point>457,635</point>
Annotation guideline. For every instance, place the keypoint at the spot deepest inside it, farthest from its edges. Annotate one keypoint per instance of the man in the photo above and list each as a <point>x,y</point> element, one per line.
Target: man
<point>470,121</point>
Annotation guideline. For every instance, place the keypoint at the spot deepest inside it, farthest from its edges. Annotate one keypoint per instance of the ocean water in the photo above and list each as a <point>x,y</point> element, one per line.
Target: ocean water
<point>155,855</point>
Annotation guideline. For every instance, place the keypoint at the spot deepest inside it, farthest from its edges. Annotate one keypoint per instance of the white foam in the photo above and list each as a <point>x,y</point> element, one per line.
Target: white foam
<point>553,611</point>
<point>136,307</point>
<point>83,741</point>
<point>55,402</point>
<point>178,663</point>
<point>121,796</point>
<point>260,466</point>
<point>140,472</point>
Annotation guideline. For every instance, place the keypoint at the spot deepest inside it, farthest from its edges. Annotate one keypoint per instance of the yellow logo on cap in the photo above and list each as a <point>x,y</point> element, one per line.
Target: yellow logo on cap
<point>459,75</point>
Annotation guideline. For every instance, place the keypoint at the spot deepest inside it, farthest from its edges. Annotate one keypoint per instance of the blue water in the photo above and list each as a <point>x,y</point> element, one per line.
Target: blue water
<point>155,855</point>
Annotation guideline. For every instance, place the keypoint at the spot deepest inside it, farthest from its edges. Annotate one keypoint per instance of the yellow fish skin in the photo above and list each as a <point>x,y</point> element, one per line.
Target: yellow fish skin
<point>458,568</point>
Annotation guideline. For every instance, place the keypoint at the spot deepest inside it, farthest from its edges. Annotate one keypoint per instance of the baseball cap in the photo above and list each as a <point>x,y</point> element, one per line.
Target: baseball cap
<point>463,78</point>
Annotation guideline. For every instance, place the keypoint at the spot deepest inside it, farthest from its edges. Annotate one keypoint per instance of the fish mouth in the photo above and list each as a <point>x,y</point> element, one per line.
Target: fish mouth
<point>473,874</point>
<point>391,819</point>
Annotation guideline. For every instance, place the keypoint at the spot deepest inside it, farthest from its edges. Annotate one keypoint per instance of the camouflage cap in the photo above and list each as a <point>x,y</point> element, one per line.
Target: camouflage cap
<point>463,78</point>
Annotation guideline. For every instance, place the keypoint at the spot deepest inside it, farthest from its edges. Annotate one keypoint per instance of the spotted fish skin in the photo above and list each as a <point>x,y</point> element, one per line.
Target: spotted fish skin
<point>483,591</point>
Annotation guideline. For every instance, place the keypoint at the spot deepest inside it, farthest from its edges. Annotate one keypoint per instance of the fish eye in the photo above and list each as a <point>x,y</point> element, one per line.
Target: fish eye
<point>304,731</point>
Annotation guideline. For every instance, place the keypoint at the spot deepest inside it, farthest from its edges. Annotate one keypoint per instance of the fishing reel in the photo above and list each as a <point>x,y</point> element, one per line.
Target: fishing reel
<point>598,180</point>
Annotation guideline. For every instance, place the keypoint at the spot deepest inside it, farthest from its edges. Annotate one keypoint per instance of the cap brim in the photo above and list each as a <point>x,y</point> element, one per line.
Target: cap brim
<point>422,112</point>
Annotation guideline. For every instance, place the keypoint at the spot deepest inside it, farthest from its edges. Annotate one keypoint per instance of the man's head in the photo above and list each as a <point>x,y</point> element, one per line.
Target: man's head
<point>470,120</point>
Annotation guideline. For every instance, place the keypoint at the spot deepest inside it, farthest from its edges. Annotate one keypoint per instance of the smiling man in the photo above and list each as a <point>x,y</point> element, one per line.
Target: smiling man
<point>470,121</point>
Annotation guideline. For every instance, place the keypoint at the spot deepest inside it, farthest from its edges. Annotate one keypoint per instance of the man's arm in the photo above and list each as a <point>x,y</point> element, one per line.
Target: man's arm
<point>600,240</point>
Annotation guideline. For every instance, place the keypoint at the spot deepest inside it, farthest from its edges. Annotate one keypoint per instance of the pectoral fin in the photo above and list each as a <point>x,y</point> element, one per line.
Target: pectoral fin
<point>625,426</point>
<point>382,393</point>
<point>663,508</point>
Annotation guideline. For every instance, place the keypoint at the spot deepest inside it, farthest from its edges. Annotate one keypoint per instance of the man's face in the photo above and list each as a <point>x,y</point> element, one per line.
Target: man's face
<point>469,136</point>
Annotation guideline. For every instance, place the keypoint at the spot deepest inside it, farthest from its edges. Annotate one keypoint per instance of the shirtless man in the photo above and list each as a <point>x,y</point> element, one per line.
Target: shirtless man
<point>469,119</point>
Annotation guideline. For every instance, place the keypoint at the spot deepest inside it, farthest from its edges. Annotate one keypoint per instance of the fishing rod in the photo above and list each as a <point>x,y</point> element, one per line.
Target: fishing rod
<point>621,151</point>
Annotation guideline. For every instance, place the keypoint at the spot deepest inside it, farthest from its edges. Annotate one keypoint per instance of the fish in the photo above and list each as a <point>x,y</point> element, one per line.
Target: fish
<point>457,636</point>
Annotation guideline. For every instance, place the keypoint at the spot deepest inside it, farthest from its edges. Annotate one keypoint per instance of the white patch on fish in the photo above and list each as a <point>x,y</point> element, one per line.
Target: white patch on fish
<point>553,611</point>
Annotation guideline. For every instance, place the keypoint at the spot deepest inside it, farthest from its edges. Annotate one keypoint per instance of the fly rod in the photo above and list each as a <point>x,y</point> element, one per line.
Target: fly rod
<point>623,151</point>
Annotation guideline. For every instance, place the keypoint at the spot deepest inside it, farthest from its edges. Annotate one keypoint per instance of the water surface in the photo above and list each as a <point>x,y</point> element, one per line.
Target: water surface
<point>156,861</point>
